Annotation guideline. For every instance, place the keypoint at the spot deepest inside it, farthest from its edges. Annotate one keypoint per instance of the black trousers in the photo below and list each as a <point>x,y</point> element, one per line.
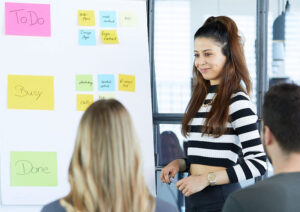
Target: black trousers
<point>210,199</point>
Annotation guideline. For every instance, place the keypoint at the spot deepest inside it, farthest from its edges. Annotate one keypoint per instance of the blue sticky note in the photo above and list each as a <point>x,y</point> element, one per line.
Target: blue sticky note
<point>106,82</point>
<point>108,19</point>
<point>87,37</point>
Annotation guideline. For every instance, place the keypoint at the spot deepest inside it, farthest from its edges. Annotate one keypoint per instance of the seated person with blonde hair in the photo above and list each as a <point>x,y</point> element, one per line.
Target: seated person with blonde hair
<point>105,172</point>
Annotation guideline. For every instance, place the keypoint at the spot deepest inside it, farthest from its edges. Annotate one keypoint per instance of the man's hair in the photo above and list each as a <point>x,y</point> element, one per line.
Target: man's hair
<point>281,113</point>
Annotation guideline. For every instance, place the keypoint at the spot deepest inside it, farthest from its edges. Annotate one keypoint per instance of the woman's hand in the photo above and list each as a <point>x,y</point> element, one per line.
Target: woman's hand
<point>170,170</point>
<point>192,184</point>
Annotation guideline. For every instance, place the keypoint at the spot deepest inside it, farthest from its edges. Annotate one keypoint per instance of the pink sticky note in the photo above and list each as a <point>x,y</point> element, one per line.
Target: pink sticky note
<point>27,19</point>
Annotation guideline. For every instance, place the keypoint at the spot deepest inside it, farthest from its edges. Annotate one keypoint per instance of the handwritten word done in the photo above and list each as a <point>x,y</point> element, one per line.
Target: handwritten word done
<point>25,167</point>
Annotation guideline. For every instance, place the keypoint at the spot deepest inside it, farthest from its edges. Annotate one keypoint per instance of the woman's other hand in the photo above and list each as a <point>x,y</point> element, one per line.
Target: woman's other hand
<point>170,170</point>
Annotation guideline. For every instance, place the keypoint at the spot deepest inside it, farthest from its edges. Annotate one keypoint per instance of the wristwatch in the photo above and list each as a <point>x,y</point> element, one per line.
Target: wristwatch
<point>212,178</point>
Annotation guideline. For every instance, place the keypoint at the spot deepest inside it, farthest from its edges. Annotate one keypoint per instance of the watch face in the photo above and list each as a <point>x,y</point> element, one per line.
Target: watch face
<point>211,177</point>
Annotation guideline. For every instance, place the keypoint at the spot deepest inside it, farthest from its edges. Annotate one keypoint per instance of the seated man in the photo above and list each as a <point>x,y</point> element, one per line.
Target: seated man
<point>281,138</point>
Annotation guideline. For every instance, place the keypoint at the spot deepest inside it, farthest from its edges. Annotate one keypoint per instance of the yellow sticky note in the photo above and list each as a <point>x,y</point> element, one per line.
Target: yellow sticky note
<point>30,92</point>
<point>86,18</point>
<point>127,19</point>
<point>106,96</point>
<point>84,101</point>
<point>126,83</point>
<point>109,36</point>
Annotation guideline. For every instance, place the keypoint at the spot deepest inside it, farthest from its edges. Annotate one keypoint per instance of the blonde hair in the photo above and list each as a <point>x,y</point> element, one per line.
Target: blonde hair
<point>105,173</point>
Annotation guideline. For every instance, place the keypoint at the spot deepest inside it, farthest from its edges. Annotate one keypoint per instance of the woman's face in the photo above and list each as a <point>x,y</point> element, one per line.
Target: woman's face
<point>209,59</point>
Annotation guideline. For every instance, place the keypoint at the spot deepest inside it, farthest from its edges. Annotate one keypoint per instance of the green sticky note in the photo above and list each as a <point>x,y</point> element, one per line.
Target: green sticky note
<point>33,168</point>
<point>84,83</point>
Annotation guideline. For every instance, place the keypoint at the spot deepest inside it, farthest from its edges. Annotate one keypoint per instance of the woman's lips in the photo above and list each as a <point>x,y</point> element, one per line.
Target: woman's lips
<point>203,70</point>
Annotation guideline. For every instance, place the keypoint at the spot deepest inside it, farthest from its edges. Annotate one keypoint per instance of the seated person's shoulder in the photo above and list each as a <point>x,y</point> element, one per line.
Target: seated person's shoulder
<point>53,207</point>
<point>163,206</point>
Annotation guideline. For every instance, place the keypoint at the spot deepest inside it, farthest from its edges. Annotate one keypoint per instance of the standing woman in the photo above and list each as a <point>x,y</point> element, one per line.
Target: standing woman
<point>219,122</point>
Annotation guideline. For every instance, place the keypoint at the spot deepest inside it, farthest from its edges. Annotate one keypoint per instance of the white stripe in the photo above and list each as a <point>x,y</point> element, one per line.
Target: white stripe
<point>249,136</point>
<point>244,121</point>
<point>205,109</point>
<point>239,172</point>
<point>200,121</point>
<point>256,155</point>
<point>255,172</point>
<point>195,136</point>
<point>223,154</point>
<point>257,148</point>
<point>241,104</point>
<point>240,93</point>
<point>210,95</point>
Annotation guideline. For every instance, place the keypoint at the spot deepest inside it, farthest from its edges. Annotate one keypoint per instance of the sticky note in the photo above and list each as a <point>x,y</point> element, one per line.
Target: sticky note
<point>30,92</point>
<point>126,83</point>
<point>86,18</point>
<point>127,19</point>
<point>109,36</point>
<point>108,19</point>
<point>87,37</point>
<point>84,101</point>
<point>33,168</point>
<point>84,82</point>
<point>27,19</point>
<point>106,96</point>
<point>106,82</point>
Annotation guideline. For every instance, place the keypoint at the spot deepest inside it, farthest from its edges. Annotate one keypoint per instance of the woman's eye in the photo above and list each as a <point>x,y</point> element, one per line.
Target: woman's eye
<point>196,55</point>
<point>207,54</point>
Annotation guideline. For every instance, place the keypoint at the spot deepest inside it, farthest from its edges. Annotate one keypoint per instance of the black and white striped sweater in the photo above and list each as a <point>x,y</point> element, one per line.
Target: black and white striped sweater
<point>241,134</point>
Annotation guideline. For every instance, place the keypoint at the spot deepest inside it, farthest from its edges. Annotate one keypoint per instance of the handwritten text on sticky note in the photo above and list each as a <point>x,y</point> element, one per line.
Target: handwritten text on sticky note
<point>87,37</point>
<point>106,96</point>
<point>30,92</point>
<point>108,19</point>
<point>106,82</point>
<point>84,101</point>
<point>86,18</point>
<point>27,19</point>
<point>109,36</point>
<point>84,83</point>
<point>126,83</point>
<point>33,168</point>
<point>127,19</point>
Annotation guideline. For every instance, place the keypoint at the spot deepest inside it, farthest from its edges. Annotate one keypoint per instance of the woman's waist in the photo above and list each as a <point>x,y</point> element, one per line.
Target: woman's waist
<point>199,169</point>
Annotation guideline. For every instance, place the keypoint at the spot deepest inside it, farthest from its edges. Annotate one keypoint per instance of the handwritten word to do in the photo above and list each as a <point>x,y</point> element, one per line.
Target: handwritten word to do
<point>27,19</point>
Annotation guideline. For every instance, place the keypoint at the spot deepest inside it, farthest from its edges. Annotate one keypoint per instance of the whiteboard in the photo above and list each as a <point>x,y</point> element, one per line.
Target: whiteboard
<point>61,56</point>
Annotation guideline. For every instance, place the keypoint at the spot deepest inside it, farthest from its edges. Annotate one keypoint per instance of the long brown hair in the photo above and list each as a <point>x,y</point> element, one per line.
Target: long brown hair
<point>105,173</point>
<point>223,31</point>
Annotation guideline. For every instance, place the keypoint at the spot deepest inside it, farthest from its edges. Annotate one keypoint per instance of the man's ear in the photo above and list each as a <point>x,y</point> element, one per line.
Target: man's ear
<point>269,137</point>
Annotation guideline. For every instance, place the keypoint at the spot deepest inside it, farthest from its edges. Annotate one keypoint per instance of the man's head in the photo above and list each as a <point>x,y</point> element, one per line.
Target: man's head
<point>281,117</point>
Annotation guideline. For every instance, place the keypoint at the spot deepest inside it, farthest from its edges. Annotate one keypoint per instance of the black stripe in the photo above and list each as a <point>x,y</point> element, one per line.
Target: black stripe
<point>250,143</point>
<point>246,128</point>
<point>241,113</point>
<point>213,89</point>
<point>198,128</point>
<point>260,168</point>
<point>238,98</point>
<point>251,153</point>
<point>210,161</point>
<point>246,169</point>
<point>207,101</point>
<point>214,146</point>
<point>201,115</point>
<point>232,175</point>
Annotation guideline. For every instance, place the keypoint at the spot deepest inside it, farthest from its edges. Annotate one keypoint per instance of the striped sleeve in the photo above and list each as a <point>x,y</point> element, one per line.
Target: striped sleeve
<point>243,119</point>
